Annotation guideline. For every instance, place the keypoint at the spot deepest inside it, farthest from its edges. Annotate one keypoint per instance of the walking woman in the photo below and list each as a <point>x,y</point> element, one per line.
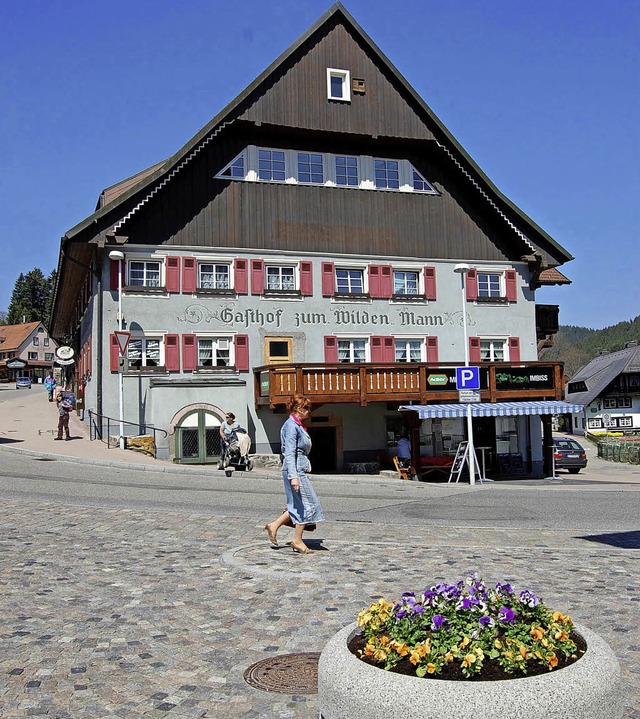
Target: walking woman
<point>303,506</point>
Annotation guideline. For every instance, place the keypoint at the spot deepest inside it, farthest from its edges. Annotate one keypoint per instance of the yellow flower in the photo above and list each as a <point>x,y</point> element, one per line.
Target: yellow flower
<point>369,650</point>
<point>431,668</point>
<point>465,642</point>
<point>468,660</point>
<point>523,652</point>
<point>401,648</point>
<point>561,635</point>
<point>558,616</point>
<point>448,657</point>
<point>497,644</point>
<point>553,661</point>
<point>537,633</point>
<point>380,655</point>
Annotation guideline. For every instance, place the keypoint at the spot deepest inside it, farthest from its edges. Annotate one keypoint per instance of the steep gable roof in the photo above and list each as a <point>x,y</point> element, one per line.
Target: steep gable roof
<point>12,336</point>
<point>598,374</point>
<point>140,193</point>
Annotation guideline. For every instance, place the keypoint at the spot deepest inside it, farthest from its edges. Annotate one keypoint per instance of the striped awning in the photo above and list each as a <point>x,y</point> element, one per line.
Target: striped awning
<point>492,409</point>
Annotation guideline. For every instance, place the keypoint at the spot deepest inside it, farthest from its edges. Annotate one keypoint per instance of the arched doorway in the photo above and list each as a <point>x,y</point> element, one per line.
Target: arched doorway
<point>197,438</point>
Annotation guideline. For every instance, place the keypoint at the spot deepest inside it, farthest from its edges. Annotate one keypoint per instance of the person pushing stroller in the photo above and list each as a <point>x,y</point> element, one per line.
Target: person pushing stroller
<point>235,444</point>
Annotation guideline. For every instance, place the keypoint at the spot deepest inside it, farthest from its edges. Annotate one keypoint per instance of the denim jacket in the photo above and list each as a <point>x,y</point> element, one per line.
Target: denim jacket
<point>296,445</point>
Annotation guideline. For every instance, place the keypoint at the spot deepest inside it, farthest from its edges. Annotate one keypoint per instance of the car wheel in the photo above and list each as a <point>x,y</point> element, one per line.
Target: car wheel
<point>574,470</point>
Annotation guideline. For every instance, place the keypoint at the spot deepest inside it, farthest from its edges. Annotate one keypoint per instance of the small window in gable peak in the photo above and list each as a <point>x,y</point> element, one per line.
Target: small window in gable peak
<point>236,169</point>
<point>338,85</point>
<point>420,184</point>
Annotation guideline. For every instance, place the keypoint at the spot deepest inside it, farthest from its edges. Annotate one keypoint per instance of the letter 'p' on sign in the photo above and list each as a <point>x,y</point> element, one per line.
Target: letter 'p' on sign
<point>468,377</point>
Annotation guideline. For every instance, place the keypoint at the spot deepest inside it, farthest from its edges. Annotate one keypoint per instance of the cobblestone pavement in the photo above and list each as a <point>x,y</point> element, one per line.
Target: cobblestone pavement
<point>109,613</point>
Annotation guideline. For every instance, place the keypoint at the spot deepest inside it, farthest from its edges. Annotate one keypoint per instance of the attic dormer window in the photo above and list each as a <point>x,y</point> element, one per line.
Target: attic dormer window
<point>338,85</point>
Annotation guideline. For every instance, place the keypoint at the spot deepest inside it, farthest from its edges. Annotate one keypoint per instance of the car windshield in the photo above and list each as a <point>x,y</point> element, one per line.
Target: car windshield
<point>568,444</point>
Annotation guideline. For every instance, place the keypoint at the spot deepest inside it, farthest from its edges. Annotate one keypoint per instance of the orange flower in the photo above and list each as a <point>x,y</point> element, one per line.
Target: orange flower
<point>537,633</point>
<point>431,668</point>
<point>553,661</point>
<point>468,660</point>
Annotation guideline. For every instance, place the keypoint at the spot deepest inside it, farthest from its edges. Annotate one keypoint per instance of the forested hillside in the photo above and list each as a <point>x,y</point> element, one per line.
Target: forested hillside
<point>575,346</point>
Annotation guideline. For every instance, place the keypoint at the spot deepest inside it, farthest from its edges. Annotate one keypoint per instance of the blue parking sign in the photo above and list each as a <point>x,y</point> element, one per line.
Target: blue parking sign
<point>468,377</point>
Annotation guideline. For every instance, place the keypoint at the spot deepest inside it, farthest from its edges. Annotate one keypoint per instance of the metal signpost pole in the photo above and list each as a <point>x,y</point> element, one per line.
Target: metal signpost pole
<point>462,270</point>
<point>118,256</point>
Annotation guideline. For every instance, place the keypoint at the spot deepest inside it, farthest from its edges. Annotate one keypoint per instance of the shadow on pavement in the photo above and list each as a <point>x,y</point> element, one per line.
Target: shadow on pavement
<point>622,540</point>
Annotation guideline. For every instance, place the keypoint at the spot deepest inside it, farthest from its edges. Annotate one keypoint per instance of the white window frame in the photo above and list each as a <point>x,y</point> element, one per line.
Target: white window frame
<point>609,403</point>
<point>625,421</point>
<point>501,281</point>
<point>624,402</point>
<point>36,341</point>
<point>144,339</point>
<point>405,341</point>
<point>295,269</point>
<point>32,355</point>
<point>214,263</point>
<point>351,268</point>
<point>365,170</point>
<point>222,343</point>
<point>146,260</point>
<point>311,163</point>
<point>505,348</point>
<point>345,83</point>
<point>419,272</point>
<point>351,340</point>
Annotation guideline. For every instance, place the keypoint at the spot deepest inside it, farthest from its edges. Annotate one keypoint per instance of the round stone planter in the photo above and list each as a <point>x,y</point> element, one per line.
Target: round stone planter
<point>349,688</point>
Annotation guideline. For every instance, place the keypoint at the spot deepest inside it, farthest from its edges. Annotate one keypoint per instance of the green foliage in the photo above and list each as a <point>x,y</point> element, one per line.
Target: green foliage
<point>577,346</point>
<point>31,298</point>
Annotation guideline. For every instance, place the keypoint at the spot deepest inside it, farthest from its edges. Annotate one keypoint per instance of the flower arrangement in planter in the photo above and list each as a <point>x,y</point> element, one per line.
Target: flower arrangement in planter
<point>467,630</point>
<point>440,644</point>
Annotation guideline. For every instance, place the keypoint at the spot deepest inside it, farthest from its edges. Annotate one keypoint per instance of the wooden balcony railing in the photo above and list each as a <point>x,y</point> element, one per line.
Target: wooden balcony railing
<point>403,383</point>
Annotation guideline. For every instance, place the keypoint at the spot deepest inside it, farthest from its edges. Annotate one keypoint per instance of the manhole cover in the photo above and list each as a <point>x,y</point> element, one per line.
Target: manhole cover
<point>287,674</point>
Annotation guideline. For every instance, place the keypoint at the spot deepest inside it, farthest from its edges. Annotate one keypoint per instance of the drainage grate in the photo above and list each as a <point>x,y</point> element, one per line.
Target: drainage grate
<point>286,674</point>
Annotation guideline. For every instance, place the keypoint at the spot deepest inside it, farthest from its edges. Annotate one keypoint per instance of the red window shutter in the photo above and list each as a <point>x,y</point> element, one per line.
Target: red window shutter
<point>374,283</point>
<point>328,279</point>
<point>430,283</point>
<point>113,276</point>
<point>514,349</point>
<point>432,349</point>
<point>241,284</point>
<point>512,289</point>
<point>189,353</point>
<point>189,274</point>
<point>386,281</point>
<point>474,349</point>
<point>383,349</point>
<point>242,353</point>
<point>172,281</point>
<point>257,277</point>
<point>330,349</point>
<point>172,353</point>
<point>306,279</point>
<point>472,284</point>
<point>114,352</point>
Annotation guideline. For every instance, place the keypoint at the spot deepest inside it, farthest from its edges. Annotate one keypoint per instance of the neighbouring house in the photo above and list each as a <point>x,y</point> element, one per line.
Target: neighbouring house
<point>310,239</point>
<point>26,350</point>
<point>609,389</point>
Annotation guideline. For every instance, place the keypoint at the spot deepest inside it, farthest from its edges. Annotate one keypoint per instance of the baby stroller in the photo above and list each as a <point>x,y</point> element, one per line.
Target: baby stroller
<point>236,452</point>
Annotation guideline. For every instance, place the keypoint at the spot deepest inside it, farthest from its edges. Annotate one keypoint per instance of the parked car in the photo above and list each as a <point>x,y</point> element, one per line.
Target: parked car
<point>23,382</point>
<point>569,454</point>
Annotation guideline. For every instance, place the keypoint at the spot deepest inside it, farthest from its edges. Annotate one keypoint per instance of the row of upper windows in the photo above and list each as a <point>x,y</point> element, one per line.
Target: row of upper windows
<point>36,341</point>
<point>190,275</point>
<point>192,352</point>
<point>48,356</point>
<point>258,164</point>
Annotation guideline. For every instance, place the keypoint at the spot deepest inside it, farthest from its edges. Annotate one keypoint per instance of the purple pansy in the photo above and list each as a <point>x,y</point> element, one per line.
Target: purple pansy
<point>506,615</point>
<point>529,598</point>
<point>437,622</point>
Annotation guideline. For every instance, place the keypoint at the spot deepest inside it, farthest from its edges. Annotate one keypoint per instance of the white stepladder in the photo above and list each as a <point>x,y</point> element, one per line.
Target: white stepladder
<point>462,456</point>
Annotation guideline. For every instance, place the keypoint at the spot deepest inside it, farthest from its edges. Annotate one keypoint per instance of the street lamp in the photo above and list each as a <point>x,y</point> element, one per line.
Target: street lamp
<point>462,269</point>
<point>117,256</point>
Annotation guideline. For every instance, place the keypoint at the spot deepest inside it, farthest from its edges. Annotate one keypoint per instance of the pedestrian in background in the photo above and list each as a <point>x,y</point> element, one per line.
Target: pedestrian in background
<point>303,507</point>
<point>50,384</point>
<point>65,405</point>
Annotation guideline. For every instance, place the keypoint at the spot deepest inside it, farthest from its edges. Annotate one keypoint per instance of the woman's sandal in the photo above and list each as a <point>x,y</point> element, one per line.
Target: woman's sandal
<point>301,550</point>
<point>272,535</point>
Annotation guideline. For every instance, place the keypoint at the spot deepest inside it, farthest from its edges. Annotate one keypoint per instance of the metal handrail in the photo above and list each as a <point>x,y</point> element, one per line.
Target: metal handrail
<point>97,424</point>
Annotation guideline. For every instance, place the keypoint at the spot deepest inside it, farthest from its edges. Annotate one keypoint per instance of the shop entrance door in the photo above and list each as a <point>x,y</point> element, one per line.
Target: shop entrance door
<point>323,449</point>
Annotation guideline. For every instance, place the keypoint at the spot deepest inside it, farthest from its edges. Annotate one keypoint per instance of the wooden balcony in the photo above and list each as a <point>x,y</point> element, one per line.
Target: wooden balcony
<point>404,383</point>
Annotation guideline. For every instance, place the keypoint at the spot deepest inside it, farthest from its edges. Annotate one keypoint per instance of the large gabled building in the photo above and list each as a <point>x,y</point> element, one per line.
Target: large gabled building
<point>26,350</point>
<point>305,240</point>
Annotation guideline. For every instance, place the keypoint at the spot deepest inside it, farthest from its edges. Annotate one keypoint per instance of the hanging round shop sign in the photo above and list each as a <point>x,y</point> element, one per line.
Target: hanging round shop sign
<point>64,362</point>
<point>65,353</point>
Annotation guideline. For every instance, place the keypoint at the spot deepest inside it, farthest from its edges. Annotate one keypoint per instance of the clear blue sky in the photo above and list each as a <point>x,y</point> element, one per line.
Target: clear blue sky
<point>543,94</point>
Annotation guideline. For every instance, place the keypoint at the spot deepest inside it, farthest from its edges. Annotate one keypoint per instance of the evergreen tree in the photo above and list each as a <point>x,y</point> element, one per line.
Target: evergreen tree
<point>31,298</point>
